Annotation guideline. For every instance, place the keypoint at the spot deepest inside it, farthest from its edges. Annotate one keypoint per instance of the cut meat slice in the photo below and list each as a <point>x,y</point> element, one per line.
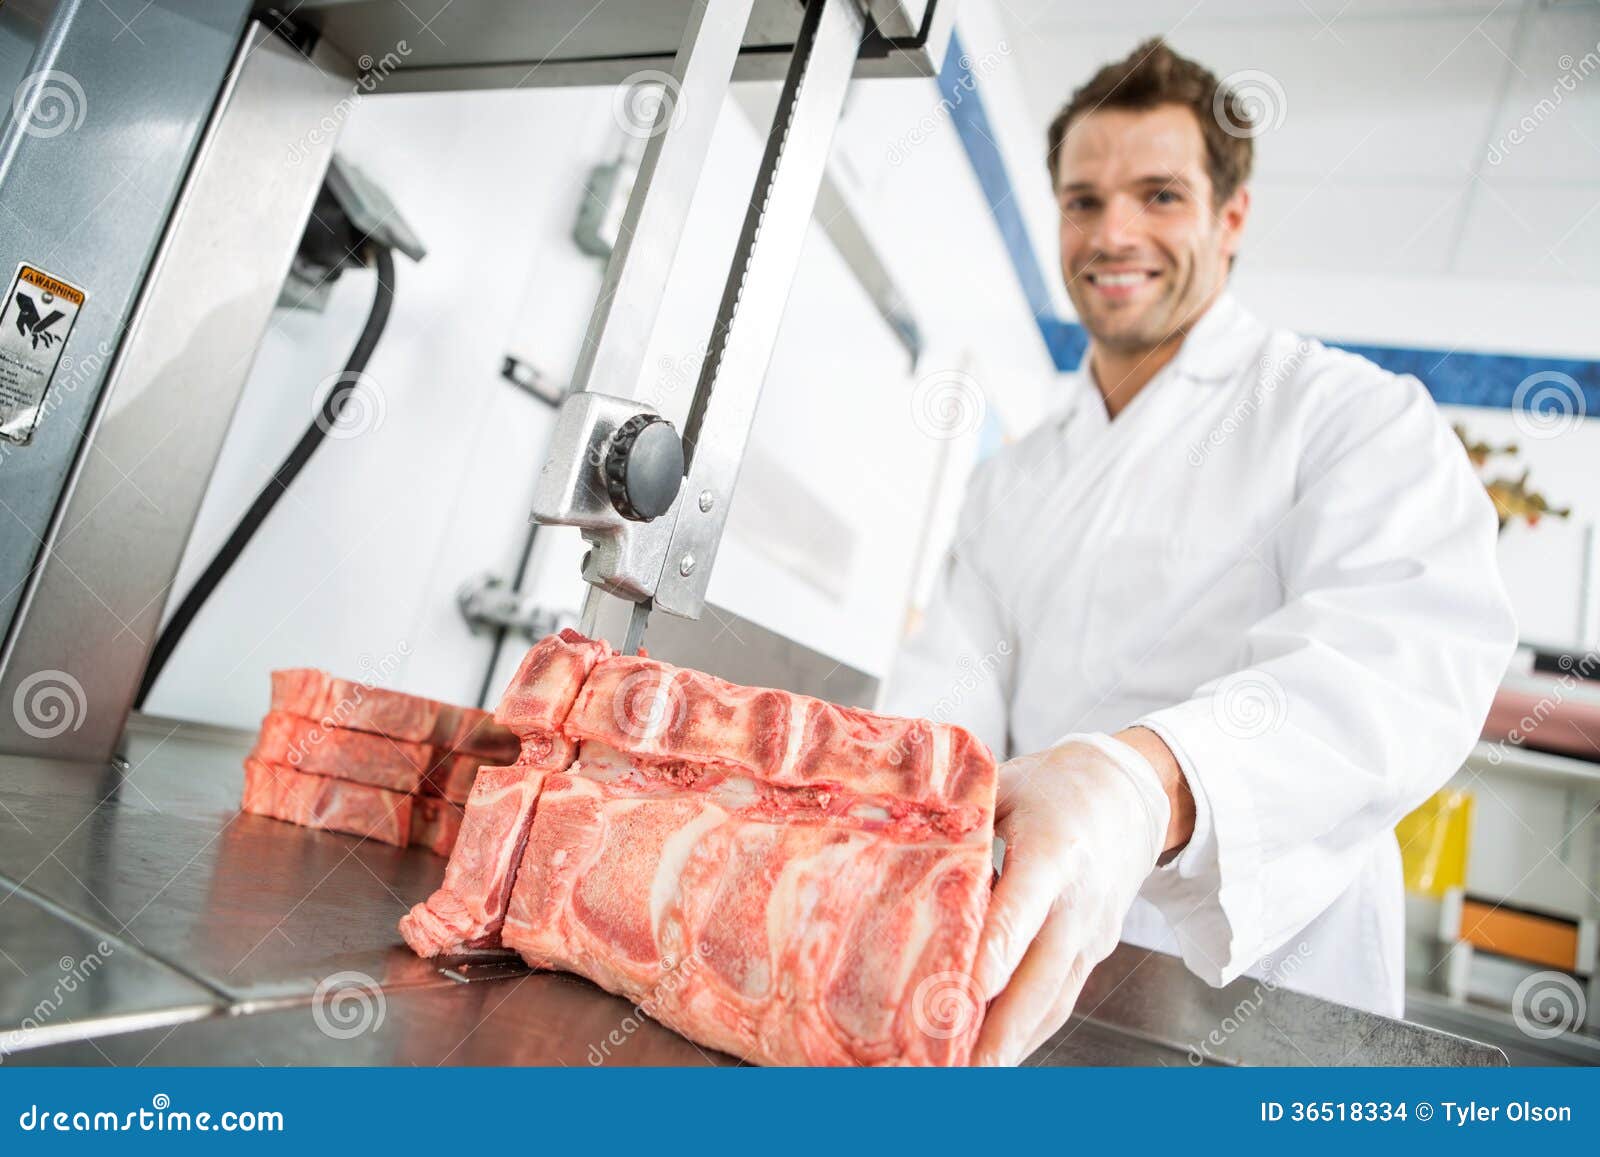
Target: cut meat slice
<point>435,824</point>
<point>467,910</point>
<point>379,760</point>
<point>315,801</point>
<point>352,706</point>
<point>336,702</point>
<point>468,730</point>
<point>545,685</point>
<point>356,734</point>
<point>452,777</point>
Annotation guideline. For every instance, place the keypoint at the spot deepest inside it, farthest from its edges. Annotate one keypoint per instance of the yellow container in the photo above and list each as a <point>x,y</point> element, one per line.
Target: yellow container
<point>1433,843</point>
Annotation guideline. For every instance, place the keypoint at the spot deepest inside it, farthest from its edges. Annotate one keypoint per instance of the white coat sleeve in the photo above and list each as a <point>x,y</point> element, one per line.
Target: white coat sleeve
<point>958,666</point>
<point>1359,696</point>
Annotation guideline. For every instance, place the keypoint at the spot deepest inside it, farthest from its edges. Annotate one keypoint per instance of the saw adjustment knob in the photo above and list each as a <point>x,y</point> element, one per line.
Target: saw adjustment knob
<point>643,467</point>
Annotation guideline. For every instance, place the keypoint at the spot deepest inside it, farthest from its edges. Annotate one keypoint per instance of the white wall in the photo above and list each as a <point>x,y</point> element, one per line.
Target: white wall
<point>359,562</point>
<point>833,416</point>
<point>358,566</point>
<point>838,410</point>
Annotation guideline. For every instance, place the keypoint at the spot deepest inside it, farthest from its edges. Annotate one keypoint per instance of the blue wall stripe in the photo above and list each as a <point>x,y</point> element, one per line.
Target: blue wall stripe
<point>1479,379</point>
<point>1453,376</point>
<point>960,90</point>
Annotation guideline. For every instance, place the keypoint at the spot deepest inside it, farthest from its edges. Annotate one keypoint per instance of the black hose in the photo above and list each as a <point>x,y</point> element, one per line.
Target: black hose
<point>332,408</point>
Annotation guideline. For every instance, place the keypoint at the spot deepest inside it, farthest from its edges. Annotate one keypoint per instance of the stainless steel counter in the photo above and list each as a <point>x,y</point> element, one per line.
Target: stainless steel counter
<point>210,933</point>
<point>56,972</point>
<point>159,856</point>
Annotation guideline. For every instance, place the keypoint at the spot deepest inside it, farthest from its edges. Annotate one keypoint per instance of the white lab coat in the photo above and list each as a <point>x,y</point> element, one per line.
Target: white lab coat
<point>1279,559</point>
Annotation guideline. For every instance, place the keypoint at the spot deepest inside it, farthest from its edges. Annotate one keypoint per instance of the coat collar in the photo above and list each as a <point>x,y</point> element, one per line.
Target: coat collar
<point>1226,336</point>
<point>1220,343</point>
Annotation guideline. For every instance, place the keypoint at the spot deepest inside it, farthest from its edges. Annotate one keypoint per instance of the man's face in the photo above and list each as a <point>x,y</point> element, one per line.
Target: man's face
<point>1143,248</point>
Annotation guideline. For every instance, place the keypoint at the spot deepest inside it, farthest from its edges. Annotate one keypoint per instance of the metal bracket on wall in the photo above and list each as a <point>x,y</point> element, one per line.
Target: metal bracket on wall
<point>527,376</point>
<point>489,604</point>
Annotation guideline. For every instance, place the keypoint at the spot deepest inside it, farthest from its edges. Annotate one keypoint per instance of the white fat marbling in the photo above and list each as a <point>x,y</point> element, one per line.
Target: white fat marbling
<point>675,852</point>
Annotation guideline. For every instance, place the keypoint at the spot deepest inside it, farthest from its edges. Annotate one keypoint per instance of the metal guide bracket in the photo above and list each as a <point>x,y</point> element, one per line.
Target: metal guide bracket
<point>571,490</point>
<point>746,327</point>
<point>666,561</point>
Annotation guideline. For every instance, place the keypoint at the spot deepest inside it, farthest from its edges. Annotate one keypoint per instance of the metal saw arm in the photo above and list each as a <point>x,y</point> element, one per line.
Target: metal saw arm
<point>654,511</point>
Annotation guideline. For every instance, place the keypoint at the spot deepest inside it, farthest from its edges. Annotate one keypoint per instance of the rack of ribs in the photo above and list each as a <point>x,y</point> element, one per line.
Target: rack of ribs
<point>781,878</point>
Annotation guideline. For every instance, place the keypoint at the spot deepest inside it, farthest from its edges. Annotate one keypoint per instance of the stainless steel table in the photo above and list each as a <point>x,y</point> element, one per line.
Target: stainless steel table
<point>210,932</point>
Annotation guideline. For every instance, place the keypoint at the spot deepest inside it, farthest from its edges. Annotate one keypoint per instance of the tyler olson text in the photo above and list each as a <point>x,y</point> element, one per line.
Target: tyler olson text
<point>1471,1113</point>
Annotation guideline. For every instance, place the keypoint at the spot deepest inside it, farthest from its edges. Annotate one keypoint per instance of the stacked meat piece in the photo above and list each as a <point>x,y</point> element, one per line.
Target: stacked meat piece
<point>349,757</point>
<point>781,878</point>
<point>467,911</point>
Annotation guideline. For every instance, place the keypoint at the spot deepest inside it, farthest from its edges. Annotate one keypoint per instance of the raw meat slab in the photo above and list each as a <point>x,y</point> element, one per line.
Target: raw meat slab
<point>783,879</point>
<point>352,706</point>
<point>466,912</point>
<point>344,703</point>
<point>435,824</point>
<point>451,777</point>
<point>315,801</point>
<point>379,760</point>
<point>790,942</point>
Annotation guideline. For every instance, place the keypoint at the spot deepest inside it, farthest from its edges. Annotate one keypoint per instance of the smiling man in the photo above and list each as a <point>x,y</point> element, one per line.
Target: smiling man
<point>1235,608</point>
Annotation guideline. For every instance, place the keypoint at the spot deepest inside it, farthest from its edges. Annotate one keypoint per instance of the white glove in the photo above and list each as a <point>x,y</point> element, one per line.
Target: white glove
<point>1084,823</point>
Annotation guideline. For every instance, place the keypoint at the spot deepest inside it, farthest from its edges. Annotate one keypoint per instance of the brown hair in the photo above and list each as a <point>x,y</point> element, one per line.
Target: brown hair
<point>1153,75</point>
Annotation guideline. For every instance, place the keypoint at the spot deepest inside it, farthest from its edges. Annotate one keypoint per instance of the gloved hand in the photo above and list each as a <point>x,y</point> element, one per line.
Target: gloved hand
<point>1084,822</point>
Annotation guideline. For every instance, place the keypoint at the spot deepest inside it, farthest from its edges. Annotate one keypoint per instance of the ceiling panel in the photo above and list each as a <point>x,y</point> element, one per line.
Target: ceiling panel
<point>1552,102</point>
<point>1338,228</point>
<point>1389,111</point>
<point>1151,16</point>
<point>1405,99</point>
<point>1532,233</point>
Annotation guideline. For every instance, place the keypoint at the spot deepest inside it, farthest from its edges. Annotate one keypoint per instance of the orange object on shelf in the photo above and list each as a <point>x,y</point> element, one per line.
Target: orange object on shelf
<point>1535,937</point>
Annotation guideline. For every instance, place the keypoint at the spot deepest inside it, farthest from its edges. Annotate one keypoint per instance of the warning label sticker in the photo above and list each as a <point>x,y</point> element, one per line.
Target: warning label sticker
<point>35,318</point>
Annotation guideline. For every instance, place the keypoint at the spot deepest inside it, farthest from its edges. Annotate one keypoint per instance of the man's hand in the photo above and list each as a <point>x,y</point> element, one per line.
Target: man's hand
<point>1084,823</point>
